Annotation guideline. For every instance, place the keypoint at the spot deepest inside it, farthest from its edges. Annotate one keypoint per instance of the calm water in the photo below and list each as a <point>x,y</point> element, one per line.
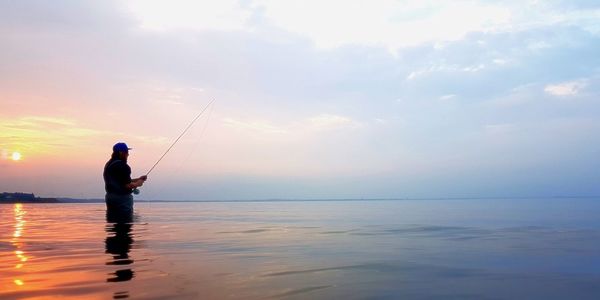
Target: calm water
<point>446,249</point>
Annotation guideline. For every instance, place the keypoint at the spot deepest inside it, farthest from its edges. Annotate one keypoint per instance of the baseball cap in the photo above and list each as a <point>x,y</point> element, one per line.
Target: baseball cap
<point>120,147</point>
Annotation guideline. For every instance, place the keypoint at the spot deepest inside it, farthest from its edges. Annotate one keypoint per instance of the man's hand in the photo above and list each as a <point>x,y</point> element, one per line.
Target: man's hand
<point>135,183</point>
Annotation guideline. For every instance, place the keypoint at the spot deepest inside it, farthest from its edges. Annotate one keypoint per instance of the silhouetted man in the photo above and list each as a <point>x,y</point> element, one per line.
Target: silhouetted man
<point>118,183</point>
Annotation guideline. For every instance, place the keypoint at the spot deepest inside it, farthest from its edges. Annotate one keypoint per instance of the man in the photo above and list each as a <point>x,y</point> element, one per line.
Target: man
<point>118,183</point>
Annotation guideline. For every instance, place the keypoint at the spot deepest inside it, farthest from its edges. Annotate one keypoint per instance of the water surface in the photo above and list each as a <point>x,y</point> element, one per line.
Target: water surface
<point>417,249</point>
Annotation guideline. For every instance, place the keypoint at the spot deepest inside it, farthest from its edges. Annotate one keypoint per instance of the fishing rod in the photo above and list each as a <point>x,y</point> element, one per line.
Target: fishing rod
<point>136,191</point>
<point>183,133</point>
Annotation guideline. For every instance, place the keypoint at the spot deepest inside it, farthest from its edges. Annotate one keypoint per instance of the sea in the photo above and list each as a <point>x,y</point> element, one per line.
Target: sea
<point>367,249</point>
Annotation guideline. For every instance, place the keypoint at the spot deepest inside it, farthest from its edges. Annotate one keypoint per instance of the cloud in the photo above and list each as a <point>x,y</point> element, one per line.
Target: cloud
<point>390,24</point>
<point>568,88</point>
<point>36,123</point>
<point>189,14</point>
<point>475,68</point>
<point>41,134</point>
<point>447,97</point>
<point>331,122</point>
<point>448,68</point>
<point>295,79</point>
<point>321,122</point>
<point>40,120</point>
<point>500,61</point>
<point>259,126</point>
<point>516,96</point>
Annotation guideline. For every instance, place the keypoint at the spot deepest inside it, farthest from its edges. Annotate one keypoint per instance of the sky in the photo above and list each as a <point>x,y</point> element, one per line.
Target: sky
<point>312,99</point>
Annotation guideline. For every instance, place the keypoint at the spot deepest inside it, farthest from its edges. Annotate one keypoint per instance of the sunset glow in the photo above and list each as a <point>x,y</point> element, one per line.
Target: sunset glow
<point>16,156</point>
<point>252,149</point>
<point>334,99</point>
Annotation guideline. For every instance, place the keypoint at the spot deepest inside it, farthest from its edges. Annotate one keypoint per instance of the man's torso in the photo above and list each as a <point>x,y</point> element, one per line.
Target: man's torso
<point>117,174</point>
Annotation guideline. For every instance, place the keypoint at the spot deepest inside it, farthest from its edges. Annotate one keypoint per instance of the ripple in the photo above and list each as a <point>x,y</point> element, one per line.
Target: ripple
<point>369,266</point>
<point>303,290</point>
<point>310,251</point>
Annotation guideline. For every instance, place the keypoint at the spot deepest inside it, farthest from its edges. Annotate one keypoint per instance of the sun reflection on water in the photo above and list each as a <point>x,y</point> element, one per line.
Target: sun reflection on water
<point>19,213</point>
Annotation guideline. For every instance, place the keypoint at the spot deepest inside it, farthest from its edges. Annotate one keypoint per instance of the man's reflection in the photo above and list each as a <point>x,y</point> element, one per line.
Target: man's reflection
<point>118,243</point>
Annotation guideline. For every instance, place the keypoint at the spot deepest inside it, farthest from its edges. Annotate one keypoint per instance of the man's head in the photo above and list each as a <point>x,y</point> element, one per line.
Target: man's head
<point>121,150</point>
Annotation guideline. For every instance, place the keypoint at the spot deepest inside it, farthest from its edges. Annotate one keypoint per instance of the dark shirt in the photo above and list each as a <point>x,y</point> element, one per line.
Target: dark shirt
<point>117,174</point>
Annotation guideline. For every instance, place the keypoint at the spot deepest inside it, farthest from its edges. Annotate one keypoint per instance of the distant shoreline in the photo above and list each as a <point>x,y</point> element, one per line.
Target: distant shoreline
<point>44,200</point>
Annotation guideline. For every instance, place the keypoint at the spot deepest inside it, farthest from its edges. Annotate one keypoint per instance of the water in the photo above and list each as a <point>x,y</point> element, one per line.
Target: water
<point>442,249</point>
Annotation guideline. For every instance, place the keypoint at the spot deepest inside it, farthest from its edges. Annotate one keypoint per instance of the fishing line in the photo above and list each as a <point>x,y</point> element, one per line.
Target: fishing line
<point>137,191</point>
<point>195,146</point>
<point>184,131</point>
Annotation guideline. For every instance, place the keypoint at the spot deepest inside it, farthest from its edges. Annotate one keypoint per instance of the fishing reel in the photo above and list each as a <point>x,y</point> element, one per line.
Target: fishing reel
<point>136,191</point>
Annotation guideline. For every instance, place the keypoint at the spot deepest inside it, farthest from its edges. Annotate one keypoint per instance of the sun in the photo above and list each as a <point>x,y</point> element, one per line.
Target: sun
<point>16,156</point>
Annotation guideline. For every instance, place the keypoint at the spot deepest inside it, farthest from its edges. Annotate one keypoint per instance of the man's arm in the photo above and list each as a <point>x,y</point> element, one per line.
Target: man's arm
<point>137,182</point>
<point>134,184</point>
